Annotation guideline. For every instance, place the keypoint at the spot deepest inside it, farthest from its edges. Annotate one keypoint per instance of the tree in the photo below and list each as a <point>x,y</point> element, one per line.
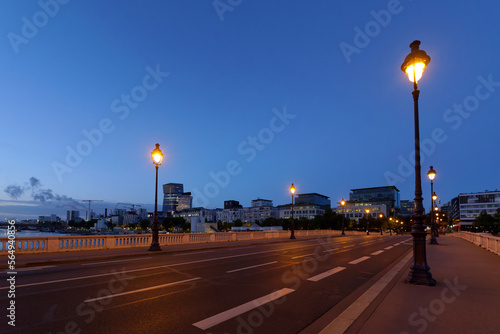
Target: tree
<point>144,224</point>
<point>238,223</point>
<point>270,221</point>
<point>484,222</point>
<point>170,222</point>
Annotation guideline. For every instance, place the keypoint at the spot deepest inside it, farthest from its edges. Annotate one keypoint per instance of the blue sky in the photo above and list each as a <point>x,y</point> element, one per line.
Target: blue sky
<point>244,98</point>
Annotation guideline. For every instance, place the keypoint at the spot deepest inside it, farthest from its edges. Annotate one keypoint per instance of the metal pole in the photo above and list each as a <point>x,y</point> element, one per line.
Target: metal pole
<point>419,271</point>
<point>433,240</point>
<point>292,236</point>
<point>343,226</point>
<point>155,245</point>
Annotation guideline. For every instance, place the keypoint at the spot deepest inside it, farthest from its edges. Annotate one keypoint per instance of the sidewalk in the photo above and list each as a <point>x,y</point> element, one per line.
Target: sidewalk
<point>466,298</point>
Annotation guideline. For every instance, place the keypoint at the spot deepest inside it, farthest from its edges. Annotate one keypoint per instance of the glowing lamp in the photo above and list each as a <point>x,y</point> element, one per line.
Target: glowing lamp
<point>157,155</point>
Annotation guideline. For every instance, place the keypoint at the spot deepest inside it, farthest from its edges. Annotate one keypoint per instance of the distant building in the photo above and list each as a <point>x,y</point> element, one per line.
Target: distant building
<point>407,208</point>
<point>308,211</point>
<point>454,211</point>
<point>185,202</point>
<point>208,215</point>
<point>260,210</point>
<point>72,215</point>
<point>313,199</point>
<point>231,204</point>
<point>378,200</point>
<point>305,206</point>
<point>471,205</point>
<point>52,218</point>
<point>175,199</point>
<point>356,211</point>
<point>232,211</point>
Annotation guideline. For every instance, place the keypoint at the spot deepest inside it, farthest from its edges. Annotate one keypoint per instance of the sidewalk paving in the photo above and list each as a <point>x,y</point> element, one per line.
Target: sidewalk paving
<point>466,298</point>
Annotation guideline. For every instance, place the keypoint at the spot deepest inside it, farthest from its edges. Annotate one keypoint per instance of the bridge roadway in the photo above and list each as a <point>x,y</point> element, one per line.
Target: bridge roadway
<point>265,288</point>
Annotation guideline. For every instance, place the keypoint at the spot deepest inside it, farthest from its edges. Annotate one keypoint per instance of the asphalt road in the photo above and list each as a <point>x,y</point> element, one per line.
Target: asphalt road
<point>267,288</point>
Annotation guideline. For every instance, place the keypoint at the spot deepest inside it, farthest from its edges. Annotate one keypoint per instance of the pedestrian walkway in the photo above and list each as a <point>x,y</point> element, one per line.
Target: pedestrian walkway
<point>466,298</point>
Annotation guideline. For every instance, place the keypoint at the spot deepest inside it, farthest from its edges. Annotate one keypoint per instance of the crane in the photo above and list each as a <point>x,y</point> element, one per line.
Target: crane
<point>90,200</point>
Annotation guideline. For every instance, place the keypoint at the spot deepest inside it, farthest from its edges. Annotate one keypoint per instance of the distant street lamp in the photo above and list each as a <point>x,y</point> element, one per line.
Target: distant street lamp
<point>390,226</point>
<point>414,65</point>
<point>434,197</point>
<point>342,203</point>
<point>381,216</point>
<point>292,235</point>
<point>367,221</point>
<point>157,157</point>
<point>432,174</point>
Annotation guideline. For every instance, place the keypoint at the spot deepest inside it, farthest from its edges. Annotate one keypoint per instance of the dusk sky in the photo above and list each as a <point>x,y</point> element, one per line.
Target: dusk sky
<point>244,98</point>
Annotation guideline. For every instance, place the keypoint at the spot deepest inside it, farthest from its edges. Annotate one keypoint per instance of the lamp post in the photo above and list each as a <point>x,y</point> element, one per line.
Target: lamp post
<point>157,157</point>
<point>436,222</point>
<point>432,174</point>
<point>292,235</point>
<point>414,65</point>
<point>342,203</point>
<point>381,216</point>
<point>367,221</point>
<point>390,226</point>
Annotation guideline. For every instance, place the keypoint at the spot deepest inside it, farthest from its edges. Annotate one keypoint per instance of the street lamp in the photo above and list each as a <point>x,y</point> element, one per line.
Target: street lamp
<point>434,198</point>
<point>414,65</point>
<point>367,222</point>
<point>292,235</point>
<point>157,157</point>
<point>342,203</point>
<point>380,216</point>
<point>390,226</point>
<point>432,174</point>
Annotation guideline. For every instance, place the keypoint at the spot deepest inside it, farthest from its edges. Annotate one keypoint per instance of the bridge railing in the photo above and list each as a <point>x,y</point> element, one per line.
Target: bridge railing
<point>49,244</point>
<point>491,243</point>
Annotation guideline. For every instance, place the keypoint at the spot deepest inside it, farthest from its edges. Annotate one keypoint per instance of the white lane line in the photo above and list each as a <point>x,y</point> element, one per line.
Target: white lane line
<point>346,318</point>
<point>396,244</point>
<point>325,274</point>
<point>296,257</point>
<point>331,250</point>
<point>115,261</point>
<point>361,259</point>
<point>389,247</point>
<point>143,269</point>
<point>30,269</point>
<point>377,252</point>
<point>238,310</point>
<point>258,265</point>
<point>141,290</point>
<point>349,246</point>
<point>193,253</point>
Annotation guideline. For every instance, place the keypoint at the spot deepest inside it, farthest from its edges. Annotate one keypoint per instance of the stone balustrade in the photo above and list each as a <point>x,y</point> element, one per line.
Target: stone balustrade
<point>491,243</point>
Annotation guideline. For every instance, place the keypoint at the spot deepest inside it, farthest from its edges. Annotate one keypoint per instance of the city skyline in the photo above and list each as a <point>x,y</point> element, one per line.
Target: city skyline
<point>312,95</point>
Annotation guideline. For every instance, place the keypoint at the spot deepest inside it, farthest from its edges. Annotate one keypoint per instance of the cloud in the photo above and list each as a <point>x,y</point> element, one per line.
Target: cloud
<point>45,196</point>
<point>34,182</point>
<point>14,191</point>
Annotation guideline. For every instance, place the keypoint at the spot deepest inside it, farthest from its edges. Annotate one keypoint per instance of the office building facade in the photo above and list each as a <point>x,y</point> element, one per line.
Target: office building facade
<point>175,199</point>
<point>471,205</point>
